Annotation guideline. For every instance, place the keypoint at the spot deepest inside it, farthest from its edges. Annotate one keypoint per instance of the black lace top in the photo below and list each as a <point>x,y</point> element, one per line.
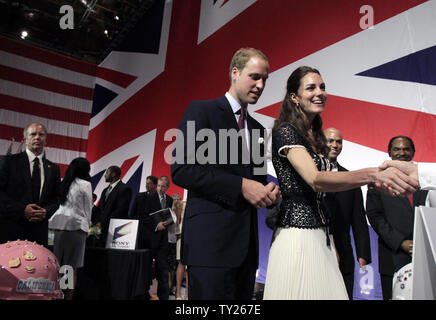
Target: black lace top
<point>301,207</point>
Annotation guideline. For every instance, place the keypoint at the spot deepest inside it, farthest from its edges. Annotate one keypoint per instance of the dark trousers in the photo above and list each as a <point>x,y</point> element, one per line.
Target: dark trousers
<point>349,283</point>
<point>208,283</point>
<point>386,283</point>
<point>225,283</point>
<point>31,231</point>
<point>160,256</point>
<point>216,283</point>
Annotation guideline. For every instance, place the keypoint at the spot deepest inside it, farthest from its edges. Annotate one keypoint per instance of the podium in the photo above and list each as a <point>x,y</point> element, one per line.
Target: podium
<point>424,254</point>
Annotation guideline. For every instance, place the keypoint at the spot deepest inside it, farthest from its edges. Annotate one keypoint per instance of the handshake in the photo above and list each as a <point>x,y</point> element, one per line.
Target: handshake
<point>396,178</point>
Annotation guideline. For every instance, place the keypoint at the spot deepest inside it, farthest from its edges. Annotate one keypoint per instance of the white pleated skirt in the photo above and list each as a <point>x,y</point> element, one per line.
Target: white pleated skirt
<point>302,267</point>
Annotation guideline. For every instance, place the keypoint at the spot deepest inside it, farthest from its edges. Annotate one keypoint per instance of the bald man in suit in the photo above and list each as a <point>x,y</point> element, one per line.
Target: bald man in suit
<point>347,212</point>
<point>29,186</point>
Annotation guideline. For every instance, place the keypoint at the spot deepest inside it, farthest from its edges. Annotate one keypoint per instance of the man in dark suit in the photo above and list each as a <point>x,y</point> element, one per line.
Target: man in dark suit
<point>150,184</point>
<point>346,210</point>
<point>226,182</point>
<point>29,185</point>
<point>392,219</point>
<point>154,235</point>
<point>114,201</point>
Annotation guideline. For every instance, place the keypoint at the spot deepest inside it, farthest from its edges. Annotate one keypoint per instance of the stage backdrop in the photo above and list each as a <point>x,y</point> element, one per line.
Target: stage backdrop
<point>377,57</point>
<point>380,77</point>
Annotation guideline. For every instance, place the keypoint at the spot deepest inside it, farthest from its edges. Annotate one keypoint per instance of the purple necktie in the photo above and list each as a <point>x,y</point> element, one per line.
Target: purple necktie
<point>241,122</point>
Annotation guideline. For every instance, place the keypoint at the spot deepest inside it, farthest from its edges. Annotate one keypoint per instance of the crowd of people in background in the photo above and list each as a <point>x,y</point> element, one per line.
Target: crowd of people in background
<point>316,202</point>
<point>34,199</point>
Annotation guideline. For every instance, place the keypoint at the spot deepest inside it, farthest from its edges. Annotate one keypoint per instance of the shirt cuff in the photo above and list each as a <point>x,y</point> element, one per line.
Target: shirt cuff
<point>427,176</point>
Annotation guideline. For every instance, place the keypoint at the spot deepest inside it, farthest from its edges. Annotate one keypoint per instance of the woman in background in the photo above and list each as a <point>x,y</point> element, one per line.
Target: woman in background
<point>72,220</point>
<point>179,209</point>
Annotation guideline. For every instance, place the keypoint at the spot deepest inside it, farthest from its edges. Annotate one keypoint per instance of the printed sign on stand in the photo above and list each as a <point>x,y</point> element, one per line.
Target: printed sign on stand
<point>122,234</point>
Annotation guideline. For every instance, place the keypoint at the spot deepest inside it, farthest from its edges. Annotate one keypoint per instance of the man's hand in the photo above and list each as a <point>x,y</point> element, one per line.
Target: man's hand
<point>34,213</point>
<point>161,226</point>
<point>259,195</point>
<point>394,181</point>
<point>274,192</point>
<point>407,246</point>
<point>362,263</point>
<point>409,168</point>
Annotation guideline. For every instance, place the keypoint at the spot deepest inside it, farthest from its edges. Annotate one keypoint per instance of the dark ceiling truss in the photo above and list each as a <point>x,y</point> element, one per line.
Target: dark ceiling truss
<point>99,25</point>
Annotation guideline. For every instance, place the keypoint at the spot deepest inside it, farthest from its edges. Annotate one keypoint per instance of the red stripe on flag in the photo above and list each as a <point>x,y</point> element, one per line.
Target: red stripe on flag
<point>373,125</point>
<point>44,110</point>
<point>53,140</point>
<point>119,78</point>
<point>126,166</point>
<point>45,83</point>
<point>44,56</point>
<point>222,4</point>
<point>62,168</point>
<point>272,111</point>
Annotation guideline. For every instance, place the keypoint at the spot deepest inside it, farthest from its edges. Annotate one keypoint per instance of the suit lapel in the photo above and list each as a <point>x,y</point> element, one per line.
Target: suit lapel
<point>102,202</point>
<point>340,168</point>
<point>111,195</point>
<point>251,125</point>
<point>228,116</point>
<point>47,176</point>
<point>155,202</point>
<point>250,128</point>
<point>167,199</point>
<point>27,177</point>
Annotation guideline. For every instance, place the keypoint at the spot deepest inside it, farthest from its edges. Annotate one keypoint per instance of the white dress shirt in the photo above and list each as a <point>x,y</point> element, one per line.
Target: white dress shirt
<point>75,213</point>
<point>236,107</point>
<point>111,187</point>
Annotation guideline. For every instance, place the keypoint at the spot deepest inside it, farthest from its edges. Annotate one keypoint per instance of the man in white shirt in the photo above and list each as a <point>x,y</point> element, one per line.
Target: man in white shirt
<point>29,186</point>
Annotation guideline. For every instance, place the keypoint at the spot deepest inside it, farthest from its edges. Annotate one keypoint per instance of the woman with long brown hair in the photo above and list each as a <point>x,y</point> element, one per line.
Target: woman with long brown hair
<point>303,261</point>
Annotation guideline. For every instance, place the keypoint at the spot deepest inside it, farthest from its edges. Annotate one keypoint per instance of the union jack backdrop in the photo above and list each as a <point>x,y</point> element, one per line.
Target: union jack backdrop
<point>380,80</point>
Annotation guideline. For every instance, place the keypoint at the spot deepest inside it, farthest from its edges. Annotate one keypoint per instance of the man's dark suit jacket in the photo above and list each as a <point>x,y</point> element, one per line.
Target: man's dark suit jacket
<point>144,204</point>
<point>16,194</point>
<point>116,206</point>
<point>392,219</point>
<point>346,209</point>
<point>218,221</point>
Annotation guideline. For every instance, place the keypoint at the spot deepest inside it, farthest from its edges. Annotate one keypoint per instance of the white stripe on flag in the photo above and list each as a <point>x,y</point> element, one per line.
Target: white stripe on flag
<point>20,120</point>
<point>46,70</point>
<point>43,96</point>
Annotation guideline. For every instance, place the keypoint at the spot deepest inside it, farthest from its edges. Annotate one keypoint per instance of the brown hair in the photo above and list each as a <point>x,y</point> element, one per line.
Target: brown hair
<point>292,113</point>
<point>242,56</point>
